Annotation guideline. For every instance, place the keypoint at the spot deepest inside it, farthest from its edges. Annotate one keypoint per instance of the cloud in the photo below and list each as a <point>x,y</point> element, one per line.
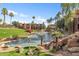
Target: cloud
<point>15,13</point>
<point>24,18</point>
<point>23,15</point>
<point>40,19</point>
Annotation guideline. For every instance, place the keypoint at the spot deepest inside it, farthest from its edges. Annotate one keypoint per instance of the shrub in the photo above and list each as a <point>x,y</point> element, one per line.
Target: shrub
<point>30,47</point>
<point>36,51</point>
<point>57,34</point>
<point>52,50</point>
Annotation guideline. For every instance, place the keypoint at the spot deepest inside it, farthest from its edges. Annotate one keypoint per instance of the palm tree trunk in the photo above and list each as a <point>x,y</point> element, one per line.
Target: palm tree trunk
<point>29,43</point>
<point>10,20</point>
<point>41,40</point>
<point>56,43</point>
<point>33,20</point>
<point>4,21</point>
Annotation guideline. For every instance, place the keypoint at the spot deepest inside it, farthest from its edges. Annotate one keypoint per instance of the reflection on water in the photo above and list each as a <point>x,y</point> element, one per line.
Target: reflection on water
<point>35,40</point>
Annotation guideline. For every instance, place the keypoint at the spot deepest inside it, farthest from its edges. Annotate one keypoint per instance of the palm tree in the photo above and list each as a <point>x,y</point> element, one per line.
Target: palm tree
<point>58,16</point>
<point>0,20</point>
<point>68,11</point>
<point>49,20</point>
<point>43,25</point>
<point>11,15</point>
<point>33,17</point>
<point>4,12</point>
<point>65,8</point>
<point>60,24</point>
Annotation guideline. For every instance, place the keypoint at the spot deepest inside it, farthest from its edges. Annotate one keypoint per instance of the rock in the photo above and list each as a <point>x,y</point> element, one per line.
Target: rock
<point>18,46</point>
<point>62,41</point>
<point>18,49</point>
<point>70,41</point>
<point>74,42</point>
<point>2,45</point>
<point>58,55</point>
<point>74,49</point>
<point>66,42</point>
<point>3,39</point>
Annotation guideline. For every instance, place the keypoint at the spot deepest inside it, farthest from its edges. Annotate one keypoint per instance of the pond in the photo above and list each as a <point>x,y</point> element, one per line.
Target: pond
<point>34,41</point>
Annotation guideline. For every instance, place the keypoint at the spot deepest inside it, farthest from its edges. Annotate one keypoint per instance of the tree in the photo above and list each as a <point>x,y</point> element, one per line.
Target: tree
<point>60,24</point>
<point>0,20</point>
<point>58,16</point>
<point>43,25</point>
<point>57,35</point>
<point>65,8</point>
<point>4,12</point>
<point>49,20</point>
<point>68,10</point>
<point>15,23</point>
<point>32,23</point>
<point>33,17</point>
<point>11,15</point>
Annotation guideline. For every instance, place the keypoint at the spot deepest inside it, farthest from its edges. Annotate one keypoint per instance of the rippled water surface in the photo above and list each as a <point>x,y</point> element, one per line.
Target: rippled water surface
<point>34,40</point>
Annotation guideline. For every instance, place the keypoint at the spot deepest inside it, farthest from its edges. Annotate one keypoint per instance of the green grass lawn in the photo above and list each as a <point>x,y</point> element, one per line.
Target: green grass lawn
<point>7,32</point>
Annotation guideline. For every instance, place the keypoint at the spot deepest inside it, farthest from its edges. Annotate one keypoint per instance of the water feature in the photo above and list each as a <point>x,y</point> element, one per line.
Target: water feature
<point>35,40</point>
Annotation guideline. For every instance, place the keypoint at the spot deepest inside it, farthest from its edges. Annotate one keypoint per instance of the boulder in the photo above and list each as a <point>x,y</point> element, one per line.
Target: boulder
<point>67,42</point>
<point>62,41</point>
<point>70,41</point>
<point>74,49</point>
<point>74,42</point>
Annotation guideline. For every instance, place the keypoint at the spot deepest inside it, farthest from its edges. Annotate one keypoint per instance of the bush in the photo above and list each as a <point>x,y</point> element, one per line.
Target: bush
<point>57,34</point>
<point>33,48</point>
<point>30,47</point>
<point>36,51</point>
<point>52,50</point>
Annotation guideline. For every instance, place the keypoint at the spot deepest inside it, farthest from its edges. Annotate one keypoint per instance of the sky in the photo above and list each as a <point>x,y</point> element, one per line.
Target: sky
<point>23,12</point>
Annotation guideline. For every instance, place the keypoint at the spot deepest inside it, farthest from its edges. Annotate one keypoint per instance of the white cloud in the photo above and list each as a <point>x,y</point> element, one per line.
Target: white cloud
<point>23,15</point>
<point>27,19</point>
<point>41,20</point>
<point>18,14</point>
<point>15,13</point>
